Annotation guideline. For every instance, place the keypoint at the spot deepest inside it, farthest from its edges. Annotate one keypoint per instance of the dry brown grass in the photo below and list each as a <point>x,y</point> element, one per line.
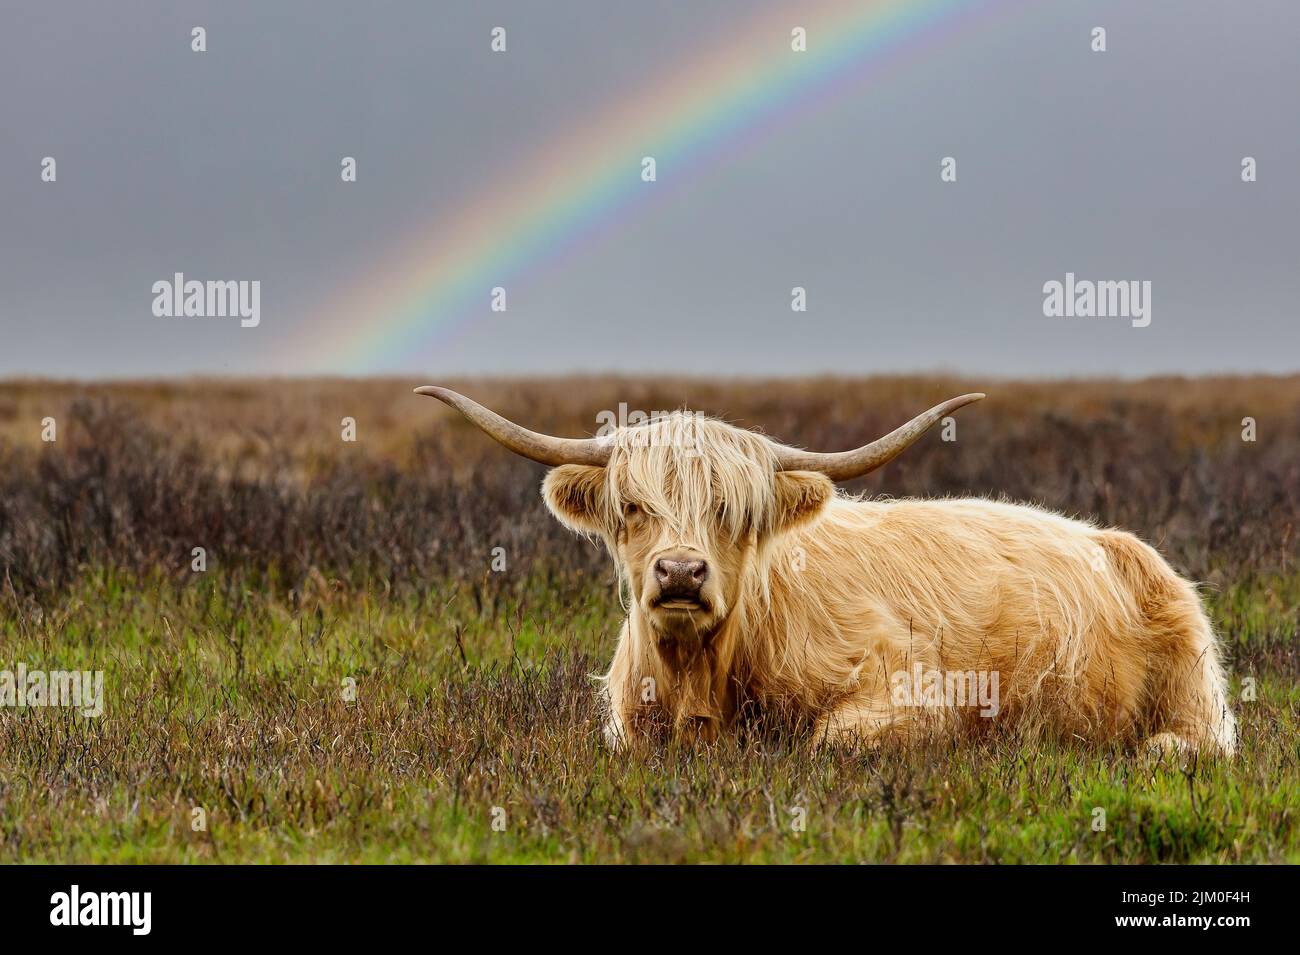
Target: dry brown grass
<point>257,470</point>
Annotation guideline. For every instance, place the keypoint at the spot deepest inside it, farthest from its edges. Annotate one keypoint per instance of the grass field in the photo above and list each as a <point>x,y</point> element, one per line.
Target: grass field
<point>350,680</point>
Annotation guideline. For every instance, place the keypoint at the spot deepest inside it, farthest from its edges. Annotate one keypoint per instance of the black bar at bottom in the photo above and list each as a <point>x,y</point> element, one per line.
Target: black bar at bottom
<point>336,904</point>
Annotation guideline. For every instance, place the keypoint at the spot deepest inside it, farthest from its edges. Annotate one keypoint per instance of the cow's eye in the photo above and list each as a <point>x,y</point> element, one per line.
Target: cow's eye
<point>631,510</point>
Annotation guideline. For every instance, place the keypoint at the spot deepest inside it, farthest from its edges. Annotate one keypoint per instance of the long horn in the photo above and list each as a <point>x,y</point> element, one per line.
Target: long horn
<point>542,448</point>
<point>845,465</point>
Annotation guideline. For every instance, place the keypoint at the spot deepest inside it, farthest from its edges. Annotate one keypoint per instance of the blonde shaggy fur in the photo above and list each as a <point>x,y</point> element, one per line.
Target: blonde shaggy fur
<point>818,599</point>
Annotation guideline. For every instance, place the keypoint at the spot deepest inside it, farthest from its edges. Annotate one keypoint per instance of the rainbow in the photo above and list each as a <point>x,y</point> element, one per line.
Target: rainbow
<point>590,176</point>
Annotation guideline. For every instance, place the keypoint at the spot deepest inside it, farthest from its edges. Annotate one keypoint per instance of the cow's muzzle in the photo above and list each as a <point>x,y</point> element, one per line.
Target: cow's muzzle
<point>680,581</point>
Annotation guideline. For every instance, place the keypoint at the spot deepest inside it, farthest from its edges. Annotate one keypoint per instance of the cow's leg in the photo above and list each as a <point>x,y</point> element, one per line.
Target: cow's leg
<point>616,732</point>
<point>870,712</point>
<point>869,719</point>
<point>1187,704</point>
<point>620,695</point>
<point>1191,706</point>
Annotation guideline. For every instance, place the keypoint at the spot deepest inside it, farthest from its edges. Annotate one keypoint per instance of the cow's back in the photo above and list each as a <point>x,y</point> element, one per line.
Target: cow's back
<point>1062,610</point>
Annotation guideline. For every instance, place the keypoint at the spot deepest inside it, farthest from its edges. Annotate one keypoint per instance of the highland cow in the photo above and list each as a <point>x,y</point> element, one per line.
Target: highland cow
<point>753,586</point>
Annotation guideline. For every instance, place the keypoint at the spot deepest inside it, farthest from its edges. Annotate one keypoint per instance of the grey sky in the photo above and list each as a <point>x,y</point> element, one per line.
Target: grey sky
<point>225,165</point>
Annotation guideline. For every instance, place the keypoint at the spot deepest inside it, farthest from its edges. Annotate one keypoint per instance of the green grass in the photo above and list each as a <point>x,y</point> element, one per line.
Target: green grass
<point>481,697</point>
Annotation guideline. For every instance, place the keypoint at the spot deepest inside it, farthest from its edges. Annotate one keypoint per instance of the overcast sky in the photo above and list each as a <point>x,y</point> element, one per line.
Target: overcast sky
<point>1122,165</point>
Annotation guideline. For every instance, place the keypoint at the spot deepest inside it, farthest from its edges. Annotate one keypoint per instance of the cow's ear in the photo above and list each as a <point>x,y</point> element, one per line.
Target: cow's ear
<point>575,493</point>
<point>800,497</point>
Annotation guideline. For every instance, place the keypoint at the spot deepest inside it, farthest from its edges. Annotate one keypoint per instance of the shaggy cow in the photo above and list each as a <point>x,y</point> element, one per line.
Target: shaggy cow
<point>755,587</point>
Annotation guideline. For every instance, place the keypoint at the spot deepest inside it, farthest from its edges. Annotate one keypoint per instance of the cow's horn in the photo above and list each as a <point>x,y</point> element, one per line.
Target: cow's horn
<point>844,465</point>
<point>542,448</point>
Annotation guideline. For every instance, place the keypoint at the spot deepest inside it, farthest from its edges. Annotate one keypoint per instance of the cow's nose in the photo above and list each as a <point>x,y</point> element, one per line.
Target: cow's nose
<point>680,578</point>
